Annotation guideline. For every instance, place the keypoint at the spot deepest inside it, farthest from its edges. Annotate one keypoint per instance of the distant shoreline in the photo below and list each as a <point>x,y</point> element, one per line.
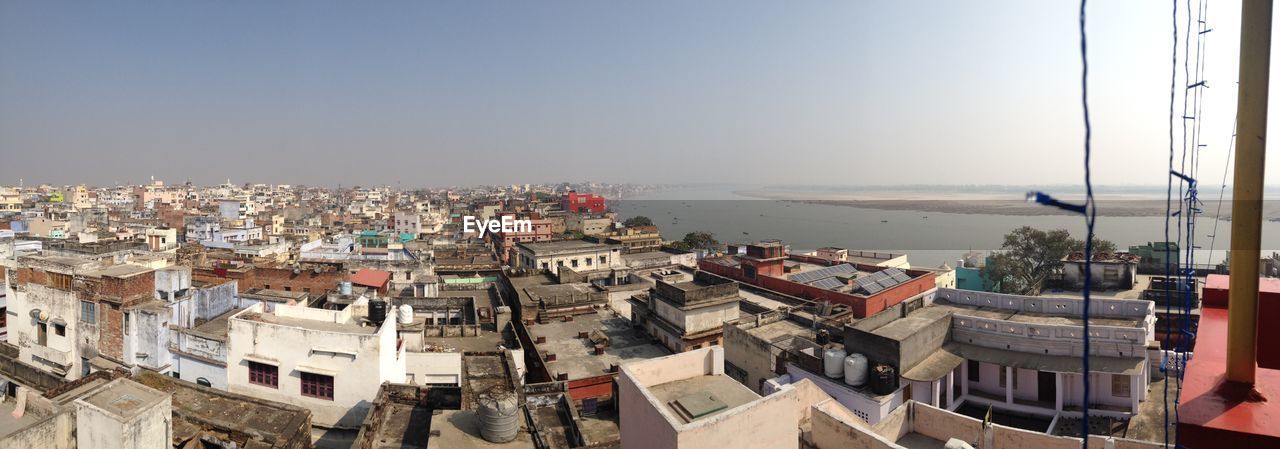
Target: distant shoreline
<point>983,204</point>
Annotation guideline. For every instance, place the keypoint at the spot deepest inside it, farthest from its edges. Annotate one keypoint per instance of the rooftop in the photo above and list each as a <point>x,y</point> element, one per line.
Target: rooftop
<point>576,356</point>
<point>350,327</point>
<point>566,246</point>
<point>124,398</point>
<point>701,396</point>
<point>198,408</point>
<point>371,278</point>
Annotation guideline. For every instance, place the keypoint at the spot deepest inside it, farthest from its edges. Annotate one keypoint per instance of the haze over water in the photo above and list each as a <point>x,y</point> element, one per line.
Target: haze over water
<point>931,241</point>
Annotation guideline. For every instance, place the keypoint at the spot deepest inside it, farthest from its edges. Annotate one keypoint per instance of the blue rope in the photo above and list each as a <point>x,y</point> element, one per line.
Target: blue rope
<point>1090,216</point>
<point>1168,210</point>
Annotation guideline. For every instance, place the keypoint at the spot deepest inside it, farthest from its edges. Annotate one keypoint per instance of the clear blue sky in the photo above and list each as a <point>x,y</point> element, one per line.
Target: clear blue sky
<point>464,92</point>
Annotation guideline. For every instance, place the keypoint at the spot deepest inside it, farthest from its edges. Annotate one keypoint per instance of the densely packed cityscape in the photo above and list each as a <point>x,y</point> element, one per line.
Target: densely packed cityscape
<point>276,316</point>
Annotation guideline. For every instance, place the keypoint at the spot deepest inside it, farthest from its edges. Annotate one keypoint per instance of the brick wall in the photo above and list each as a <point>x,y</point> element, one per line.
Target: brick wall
<point>111,331</point>
<point>304,281</point>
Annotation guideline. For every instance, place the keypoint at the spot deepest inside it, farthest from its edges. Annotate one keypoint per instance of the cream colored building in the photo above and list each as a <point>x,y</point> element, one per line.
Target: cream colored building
<point>686,401</point>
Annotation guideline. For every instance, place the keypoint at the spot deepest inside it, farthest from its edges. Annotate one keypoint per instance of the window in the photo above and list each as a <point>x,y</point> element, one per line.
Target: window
<point>204,382</point>
<point>575,263</point>
<point>604,260</point>
<point>1003,376</point>
<point>317,386</point>
<point>264,374</point>
<point>60,281</point>
<point>60,329</point>
<point>588,261</point>
<point>974,371</point>
<point>1119,385</point>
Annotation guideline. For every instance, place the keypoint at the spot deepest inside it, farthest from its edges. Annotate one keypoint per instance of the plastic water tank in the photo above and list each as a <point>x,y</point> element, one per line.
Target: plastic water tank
<point>855,369</point>
<point>404,314</point>
<point>346,288</point>
<point>833,362</point>
<point>377,310</point>
<point>883,379</point>
<point>498,415</point>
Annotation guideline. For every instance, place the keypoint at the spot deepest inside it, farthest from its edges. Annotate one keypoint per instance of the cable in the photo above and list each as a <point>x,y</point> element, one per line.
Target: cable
<point>1226,169</point>
<point>1090,217</point>
<point>1168,210</point>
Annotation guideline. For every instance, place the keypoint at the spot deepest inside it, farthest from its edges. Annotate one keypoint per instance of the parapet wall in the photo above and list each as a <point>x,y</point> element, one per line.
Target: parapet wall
<point>1099,307</point>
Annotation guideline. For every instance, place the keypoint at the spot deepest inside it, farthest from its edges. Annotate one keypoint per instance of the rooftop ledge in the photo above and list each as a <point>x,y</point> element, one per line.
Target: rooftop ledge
<point>1217,413</point>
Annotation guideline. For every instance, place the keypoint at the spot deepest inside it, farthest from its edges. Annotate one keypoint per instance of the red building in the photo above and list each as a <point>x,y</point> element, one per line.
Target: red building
<point>582,202</point>
<point>866,289</point>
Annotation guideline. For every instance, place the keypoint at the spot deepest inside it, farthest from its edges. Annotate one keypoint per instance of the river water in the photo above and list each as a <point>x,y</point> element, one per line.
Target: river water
<point>928,238</point>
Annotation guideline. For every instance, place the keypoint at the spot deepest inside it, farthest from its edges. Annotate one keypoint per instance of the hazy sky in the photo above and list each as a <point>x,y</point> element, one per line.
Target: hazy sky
<point>465,92</point>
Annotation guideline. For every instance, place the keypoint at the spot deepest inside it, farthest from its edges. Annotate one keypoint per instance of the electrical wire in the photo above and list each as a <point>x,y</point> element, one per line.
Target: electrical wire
<point>1091,215</point>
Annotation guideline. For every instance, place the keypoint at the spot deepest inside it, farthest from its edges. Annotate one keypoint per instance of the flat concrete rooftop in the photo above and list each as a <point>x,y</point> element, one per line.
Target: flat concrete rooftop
<point>576,356</point>
<point>124,398</point>
<point>566,246</point>
<point>702,396</point>
<point>207,408</point>
<point>351,327</point>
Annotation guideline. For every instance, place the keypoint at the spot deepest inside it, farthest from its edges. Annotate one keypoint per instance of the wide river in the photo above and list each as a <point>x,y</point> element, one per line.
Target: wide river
<point>928,238</point>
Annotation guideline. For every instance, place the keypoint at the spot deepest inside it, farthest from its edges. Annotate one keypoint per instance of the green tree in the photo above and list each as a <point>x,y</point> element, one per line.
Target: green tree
<point>639,220</point>
<point>700,240</point>
<point>1029,256</point>
<point>1099,246</point>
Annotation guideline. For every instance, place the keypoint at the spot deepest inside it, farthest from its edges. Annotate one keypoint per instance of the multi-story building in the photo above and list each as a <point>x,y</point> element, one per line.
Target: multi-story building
<point>407,223</point>
<point>575,254</point>
<point>202,228</point>
<point>78,314</point>
<point>587,224</point>
<point>636,239</point>
<point>582,203</point>
<point>333,363</point>
<point>958,349</point>
<point>505,242</point>
<point>866,288</point>
<point>687,315</point>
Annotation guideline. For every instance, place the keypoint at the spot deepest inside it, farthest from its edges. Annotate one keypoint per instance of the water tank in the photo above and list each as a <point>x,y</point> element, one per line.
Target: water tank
<point>404,314</point>
<point>346,288</point>
<point>833,362</point>
<point>883,379</point>
<point>855,369</point>
<point>824,337</point>
<point>377,310</point>
<point>497,413</point>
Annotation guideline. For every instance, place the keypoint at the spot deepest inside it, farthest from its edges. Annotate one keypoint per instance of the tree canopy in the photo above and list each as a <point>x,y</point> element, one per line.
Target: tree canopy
<point>696,240</point>
<point>1029,256</point>
<point>639,220</point>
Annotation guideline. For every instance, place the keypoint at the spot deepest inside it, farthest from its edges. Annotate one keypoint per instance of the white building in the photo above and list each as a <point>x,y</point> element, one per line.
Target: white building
<point>408,222</point>
<point>686,401</point>
<point>576,254</point>
<point>329,361</point>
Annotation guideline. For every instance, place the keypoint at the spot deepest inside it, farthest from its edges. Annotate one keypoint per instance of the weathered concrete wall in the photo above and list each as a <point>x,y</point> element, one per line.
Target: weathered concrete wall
<point>831,430</point>
<point>751,354</point>
<point>433,367</point>
<point>771,422</point>
<point>640,424</point>
<point>148,342</point>
<point>52,432</point>
<point>941,425</point>
<point>366,360</point>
